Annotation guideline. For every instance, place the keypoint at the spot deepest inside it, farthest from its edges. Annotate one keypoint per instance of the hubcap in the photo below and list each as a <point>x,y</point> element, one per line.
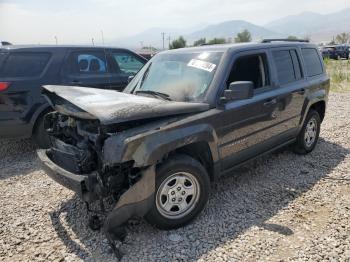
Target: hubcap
<point>310,132</point>
<point>178,195</point>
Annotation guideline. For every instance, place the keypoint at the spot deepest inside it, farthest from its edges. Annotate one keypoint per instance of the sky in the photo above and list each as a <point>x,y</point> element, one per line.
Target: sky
<point>78,21</point>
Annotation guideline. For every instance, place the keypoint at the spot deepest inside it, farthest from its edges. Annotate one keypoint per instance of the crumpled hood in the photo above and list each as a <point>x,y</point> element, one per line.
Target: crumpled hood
<point>111,107</point>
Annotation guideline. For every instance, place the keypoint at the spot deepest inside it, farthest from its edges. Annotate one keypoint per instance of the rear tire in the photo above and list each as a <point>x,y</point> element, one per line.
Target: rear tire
<point>40,136</point>
<point>182,191</point>
<point>308,136</point>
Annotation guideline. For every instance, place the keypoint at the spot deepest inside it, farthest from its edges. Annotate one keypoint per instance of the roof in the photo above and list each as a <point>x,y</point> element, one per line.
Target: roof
<point>13,47</point>
<point>241,46</point>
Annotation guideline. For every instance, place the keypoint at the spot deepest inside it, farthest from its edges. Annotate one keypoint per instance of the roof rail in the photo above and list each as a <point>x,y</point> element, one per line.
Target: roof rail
<point>284,40</point>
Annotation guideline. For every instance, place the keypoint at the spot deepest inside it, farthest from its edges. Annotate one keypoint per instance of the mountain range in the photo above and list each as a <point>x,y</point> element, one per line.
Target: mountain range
<point>318,27</point>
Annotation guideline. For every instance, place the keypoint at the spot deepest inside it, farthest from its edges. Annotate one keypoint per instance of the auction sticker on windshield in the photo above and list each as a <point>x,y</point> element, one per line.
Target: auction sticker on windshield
<point>207,66</point>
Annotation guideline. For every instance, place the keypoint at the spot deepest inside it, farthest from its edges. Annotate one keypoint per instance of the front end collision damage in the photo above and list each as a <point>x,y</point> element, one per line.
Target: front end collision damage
<point>134,202</point>
<point>114,161</point>
<point>126,163</point>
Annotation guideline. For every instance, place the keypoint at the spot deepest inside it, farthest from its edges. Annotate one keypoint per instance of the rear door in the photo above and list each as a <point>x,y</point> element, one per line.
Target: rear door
<point>124,64</point>
<point>24,71</point>
<point>291,88</point>
<point>87,67</point>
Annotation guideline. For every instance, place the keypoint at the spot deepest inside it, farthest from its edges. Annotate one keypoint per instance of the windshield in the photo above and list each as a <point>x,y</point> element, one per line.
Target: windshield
<point>179,76</point>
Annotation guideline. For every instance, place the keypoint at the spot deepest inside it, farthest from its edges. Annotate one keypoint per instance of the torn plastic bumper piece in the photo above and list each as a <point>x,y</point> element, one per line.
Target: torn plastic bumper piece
<point>134,202</point>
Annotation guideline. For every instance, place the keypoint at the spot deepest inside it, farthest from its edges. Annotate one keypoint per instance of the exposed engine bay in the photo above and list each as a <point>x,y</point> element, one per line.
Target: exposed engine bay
<point>77,146</point>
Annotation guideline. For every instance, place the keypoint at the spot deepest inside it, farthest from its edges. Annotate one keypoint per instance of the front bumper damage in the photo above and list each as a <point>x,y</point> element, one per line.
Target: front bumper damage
<point>135,202</point>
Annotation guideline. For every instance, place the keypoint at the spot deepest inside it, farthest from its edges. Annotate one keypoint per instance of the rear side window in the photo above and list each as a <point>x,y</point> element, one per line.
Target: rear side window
<point>284,66</point>
<point>312,62</point>
<point>24,64</point>
<point>296,65</point>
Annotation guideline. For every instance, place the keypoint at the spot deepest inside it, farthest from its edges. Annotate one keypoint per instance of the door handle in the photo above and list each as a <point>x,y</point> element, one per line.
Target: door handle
<point>270,102</point>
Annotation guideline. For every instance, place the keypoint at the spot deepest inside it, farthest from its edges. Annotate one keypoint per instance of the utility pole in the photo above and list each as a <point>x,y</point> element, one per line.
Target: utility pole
<point>163,35</point>
<point>103,39</point>
<point>169,40</point>
<point>92,40</point>
<point>56,40</point>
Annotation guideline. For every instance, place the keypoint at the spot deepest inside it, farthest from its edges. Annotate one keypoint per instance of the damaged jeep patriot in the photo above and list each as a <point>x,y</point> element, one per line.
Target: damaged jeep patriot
<point>187,117</point>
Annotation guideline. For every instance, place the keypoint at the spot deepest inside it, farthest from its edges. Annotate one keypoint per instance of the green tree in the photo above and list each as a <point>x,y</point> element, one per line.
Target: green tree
<point>178,43</point>
<point>199,42</point>
<point>292,37</point>
<point>342,38</point>
<point>243,37</point>
<point>217,41</point>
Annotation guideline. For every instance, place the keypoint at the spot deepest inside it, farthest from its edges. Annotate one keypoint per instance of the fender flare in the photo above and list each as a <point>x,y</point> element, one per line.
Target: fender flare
<point>312,99</point>
<point>151,150</point>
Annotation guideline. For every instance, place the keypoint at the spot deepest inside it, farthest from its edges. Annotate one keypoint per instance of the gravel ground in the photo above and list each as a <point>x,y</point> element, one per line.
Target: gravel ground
<point>281,207</point>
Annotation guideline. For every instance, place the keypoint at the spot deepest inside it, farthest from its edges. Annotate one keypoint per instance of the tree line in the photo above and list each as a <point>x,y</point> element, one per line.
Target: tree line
<point>245,36</point>
<point>241,37</point>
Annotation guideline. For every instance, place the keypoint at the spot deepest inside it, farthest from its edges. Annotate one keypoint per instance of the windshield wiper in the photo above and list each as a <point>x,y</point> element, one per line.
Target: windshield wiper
<point>154,93</point>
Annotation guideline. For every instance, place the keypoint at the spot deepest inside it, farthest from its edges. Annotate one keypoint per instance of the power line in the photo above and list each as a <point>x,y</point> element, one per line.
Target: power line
<point>163,35</point>
<point>169,39</point>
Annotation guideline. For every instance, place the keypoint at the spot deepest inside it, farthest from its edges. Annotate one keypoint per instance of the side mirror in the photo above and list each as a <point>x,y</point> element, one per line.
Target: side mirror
<point>238,91</point>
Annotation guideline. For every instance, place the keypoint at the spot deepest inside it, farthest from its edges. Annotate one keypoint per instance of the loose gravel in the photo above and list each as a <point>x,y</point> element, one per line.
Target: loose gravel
<point>281,207</point>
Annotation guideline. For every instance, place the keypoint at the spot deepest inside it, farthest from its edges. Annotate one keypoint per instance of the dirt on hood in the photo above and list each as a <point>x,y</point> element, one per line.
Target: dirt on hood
<point>111,107</point>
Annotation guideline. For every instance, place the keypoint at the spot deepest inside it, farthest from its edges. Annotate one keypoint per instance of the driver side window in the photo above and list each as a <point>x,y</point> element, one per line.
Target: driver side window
<point>250,68</point>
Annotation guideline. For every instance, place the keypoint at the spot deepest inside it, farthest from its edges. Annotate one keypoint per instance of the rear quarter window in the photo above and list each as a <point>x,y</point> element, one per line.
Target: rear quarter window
<point>313,64</point>
<point>24,64</point>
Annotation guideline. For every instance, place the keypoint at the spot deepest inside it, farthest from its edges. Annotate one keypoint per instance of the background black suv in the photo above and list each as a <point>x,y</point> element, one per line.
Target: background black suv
<point>335,52</point>
<point>25,69</point>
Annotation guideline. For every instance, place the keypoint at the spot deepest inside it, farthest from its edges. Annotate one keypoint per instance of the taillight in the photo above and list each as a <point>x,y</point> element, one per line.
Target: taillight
<point>4,85</point>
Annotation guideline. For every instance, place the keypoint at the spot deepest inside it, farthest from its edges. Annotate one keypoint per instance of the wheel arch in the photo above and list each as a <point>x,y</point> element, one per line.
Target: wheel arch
<point>44,109</point>
<point>320,107</point>
<point>201,152</point>
<point>198,141</point>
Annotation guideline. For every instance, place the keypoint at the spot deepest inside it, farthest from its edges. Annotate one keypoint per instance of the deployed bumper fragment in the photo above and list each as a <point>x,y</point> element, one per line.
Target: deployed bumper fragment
<point>135,202</point>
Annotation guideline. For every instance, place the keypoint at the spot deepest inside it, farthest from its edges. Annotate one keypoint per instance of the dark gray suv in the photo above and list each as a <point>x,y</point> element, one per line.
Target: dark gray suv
<point>189,116</point>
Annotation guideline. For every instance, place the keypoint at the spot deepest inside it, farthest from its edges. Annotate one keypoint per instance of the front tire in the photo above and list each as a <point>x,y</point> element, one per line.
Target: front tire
<point>182,190</point>
<point>309,134</point>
